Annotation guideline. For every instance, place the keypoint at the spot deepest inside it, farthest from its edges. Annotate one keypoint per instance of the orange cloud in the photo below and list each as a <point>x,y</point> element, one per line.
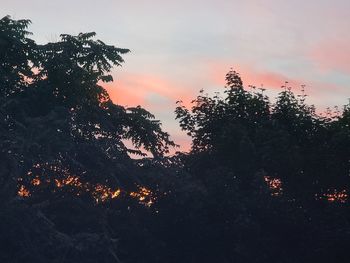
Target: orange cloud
<point>156,94</point>
<point>134,88</point>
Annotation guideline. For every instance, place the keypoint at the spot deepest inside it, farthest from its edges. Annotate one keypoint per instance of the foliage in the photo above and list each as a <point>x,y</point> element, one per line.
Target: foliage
<point>246,133</point>
<point>62,142</point>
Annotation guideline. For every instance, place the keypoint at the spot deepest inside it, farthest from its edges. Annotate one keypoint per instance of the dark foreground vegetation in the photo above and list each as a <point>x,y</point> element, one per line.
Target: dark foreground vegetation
<point>264,182</point>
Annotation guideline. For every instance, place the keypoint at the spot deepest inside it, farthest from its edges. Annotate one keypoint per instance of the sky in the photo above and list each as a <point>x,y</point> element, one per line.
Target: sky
<point>180,47</point>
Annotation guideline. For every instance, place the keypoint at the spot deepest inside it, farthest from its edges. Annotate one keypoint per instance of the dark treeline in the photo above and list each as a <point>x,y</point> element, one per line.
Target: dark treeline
<point>264,181</point>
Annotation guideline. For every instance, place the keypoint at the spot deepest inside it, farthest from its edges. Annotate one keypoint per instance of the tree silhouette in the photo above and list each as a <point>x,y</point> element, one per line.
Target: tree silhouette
<point>265,180</point>
<point>62,144</point>
<point>286,139</point>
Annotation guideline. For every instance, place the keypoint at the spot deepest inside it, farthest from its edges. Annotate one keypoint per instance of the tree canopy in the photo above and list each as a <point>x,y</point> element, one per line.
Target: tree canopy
<point>285,139</point>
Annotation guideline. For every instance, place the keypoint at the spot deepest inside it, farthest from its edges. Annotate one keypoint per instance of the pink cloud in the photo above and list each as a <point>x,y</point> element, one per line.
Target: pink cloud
<point>332,54</point>
<point>250,76</point>
<point>320,93</point>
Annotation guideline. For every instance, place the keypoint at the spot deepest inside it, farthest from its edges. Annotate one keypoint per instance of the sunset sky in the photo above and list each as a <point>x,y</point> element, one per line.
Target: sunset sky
<point>179,47</point>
